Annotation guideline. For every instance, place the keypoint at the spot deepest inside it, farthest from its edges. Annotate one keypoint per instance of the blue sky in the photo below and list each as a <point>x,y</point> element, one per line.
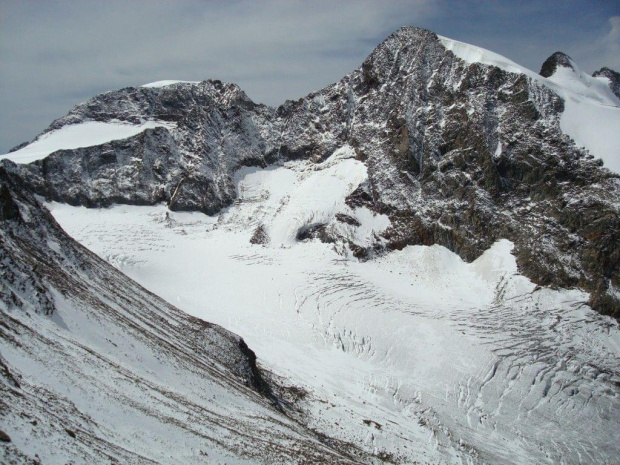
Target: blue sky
<point>56,54</point>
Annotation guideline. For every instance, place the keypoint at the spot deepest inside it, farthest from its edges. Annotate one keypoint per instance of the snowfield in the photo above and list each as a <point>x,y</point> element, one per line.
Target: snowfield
<point>167,83</point>
<point>96,369</point>
<point>591,114</point>
<point>416,356</point>
<point>75,136</point>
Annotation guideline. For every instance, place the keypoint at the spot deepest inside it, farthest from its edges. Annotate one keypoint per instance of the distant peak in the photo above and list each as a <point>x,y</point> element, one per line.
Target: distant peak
<point>612,76</point>
<point>604,71</point>
<point>551,64</point>
<point>608,73</point>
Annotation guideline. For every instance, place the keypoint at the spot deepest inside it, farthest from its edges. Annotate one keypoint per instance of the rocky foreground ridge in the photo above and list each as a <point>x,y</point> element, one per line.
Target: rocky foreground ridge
<point>458,154</point>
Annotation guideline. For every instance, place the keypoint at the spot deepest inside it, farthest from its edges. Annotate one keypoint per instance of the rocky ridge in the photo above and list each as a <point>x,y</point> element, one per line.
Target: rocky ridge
<point>458,154</point>
<point>612,76</point>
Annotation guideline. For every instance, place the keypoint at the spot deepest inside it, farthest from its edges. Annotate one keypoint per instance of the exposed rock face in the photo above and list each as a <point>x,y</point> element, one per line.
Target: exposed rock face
<point>123,171</point>
<point>614,79</point>
<point>457,154</point>
<point>22,265</point>
<point>8,208</point>
<point>551,64</point>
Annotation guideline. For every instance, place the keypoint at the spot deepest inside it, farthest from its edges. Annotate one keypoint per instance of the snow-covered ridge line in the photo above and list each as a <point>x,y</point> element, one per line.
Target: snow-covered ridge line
<point>167,83</point>
<point>422,151</point>
<point>591,113</point>
<point>86,134</point>
<point>475,54</point>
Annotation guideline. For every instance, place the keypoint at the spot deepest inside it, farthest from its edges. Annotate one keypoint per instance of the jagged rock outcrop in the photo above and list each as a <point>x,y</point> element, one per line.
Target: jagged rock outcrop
<point>19,146</point>
<point>142,170</point>
<point>458,154</point>
<point>614,79</point>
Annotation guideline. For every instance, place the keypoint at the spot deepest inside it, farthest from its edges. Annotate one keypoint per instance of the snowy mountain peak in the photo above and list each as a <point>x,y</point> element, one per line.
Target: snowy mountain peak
<point>412,34</point>
<point>551,64</point>
<point>406,48</point>
<point>438,125</point>
<point>613,78</point>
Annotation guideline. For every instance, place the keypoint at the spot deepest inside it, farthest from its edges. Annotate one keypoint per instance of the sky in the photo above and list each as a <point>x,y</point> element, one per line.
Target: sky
<point>56,54</point>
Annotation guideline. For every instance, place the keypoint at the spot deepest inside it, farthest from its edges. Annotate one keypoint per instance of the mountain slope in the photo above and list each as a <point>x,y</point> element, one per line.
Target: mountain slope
<point>459,154</point>
<point>324,232</point>
<point>463,154</point>
<point>611,77</point>
<point>591,113</point>
<point>93,368</point>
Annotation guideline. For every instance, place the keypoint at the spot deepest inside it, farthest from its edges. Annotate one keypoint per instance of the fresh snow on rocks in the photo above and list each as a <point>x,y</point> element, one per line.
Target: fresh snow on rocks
<point>591,113</point>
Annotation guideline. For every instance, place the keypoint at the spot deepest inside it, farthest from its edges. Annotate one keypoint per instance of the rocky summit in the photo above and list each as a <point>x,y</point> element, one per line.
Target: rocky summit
<point>430,142</point>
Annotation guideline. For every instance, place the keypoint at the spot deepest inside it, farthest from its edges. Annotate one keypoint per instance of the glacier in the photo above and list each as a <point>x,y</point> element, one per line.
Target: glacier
<point>399,268</point>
